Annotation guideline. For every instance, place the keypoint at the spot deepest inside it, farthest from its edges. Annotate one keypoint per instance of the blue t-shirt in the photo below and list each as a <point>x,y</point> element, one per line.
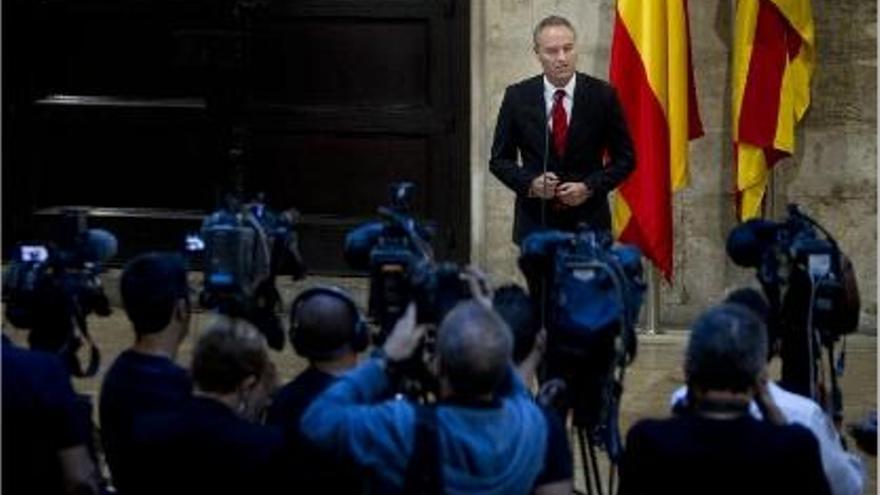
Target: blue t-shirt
<point>136,384</point>
<point>40,417</point>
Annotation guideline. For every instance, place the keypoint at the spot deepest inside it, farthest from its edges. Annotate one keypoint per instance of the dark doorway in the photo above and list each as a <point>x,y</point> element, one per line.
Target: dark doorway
<point>148,110</point>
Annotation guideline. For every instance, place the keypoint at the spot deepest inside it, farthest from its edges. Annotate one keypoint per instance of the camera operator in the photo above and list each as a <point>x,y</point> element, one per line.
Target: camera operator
<point>485,435</point>
<point>45,441</point>
<point>844,471</point>
<point>716,446</point>
<point>517,309</point>
<point>328,330</point>
<point>212,444</point>
<point>145,378</point>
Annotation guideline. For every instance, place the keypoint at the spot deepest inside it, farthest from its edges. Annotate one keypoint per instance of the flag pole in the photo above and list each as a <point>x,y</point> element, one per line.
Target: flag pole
<point>652,316</point>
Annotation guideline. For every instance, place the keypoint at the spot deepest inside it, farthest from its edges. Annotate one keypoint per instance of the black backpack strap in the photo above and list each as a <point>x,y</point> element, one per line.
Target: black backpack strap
<point>424,474</point>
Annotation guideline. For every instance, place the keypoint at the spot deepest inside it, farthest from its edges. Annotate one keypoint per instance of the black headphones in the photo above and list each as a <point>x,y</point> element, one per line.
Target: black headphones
<point>360,333</point>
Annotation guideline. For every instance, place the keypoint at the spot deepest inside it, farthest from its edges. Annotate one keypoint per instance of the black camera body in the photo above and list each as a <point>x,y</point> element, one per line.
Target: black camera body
<point>810,286</point>
<point>51,288</point>
<point>397,253</point>
<point>590,292</point>
<point>244,247</point>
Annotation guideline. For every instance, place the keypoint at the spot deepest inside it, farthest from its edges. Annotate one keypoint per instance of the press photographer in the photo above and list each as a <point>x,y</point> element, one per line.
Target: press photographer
<point>52,288</point>
<point>811,288</point>
<point>245,246</point>
<point>397,253</point>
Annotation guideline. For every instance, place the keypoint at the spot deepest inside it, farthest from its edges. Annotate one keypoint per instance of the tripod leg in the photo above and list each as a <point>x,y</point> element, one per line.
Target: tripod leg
<point>594,465</point>
<point>582,447</point>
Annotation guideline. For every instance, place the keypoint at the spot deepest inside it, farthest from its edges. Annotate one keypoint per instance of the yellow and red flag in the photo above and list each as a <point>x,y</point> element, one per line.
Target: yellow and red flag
<point>652,72</point>
<point>774,56</point>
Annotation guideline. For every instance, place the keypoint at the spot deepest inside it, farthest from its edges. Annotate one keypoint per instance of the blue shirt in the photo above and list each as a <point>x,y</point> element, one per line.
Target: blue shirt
<point>136,384</point>
<point>40,418</point>
<point>489,450</point>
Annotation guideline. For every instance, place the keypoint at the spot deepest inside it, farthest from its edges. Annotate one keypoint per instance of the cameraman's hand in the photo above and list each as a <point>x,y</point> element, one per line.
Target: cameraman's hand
<point>405,337</point>
<point>764,400</point>
<point>478,283</point>
<point>544,186</point>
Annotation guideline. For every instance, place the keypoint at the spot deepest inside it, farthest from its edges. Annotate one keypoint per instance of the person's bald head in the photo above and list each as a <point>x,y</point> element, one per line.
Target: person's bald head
<point>324,326</point>
<point>474,347</point>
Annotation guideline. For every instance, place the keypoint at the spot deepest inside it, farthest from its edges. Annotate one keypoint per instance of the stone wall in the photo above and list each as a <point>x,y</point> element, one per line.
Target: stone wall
<point>833,173</point>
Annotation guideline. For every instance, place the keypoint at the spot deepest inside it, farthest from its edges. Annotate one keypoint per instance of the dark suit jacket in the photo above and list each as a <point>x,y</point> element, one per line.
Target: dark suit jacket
<point>596,125</point>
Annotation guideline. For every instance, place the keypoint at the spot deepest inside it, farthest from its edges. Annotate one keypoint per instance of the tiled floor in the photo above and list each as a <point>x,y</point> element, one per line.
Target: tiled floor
<point>654,374</point>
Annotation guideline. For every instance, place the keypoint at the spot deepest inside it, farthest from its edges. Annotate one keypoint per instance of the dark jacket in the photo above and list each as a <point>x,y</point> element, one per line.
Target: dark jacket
<point>597,125</point>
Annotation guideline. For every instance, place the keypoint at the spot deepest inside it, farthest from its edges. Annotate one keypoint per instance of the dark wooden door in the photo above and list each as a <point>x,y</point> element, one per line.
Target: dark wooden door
<point>320,104</point>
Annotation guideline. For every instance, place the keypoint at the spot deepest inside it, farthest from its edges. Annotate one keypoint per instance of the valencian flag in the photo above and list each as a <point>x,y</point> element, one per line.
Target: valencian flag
<point>773,61</point>
<point>652,72</point>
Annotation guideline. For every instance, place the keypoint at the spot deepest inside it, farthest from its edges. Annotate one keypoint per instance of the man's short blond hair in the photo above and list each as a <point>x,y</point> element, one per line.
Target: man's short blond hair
<point>552,20</point>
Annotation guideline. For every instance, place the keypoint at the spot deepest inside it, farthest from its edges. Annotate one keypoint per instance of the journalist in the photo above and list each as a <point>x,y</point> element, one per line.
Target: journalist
<point>517,309</point>
<point>716,446</point>
<point>145,378</point>
<point>212,444</point>
<point>476,440</point>
<point>845,472</point>
<point>327,329</point>
<point>45,441</point>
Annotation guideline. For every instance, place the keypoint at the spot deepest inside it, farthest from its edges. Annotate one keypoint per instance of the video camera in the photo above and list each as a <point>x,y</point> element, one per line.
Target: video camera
<point>398,255</point>
<point>812,292</point>
<point>51,288</point>
<point>590,293</point>
<point>244,247</point>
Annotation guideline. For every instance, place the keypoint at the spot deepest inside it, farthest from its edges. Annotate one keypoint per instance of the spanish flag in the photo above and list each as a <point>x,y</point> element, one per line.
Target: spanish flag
<point>774,57</point>
<point>652,72</point>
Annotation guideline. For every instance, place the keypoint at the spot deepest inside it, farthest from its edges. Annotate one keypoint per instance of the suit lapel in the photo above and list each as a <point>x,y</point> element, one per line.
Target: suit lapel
<point>579,111</point>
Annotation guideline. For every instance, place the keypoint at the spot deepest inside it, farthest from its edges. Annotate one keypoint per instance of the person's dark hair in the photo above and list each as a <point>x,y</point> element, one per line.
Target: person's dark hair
<point>727,349</point>
<point>151,285</point>
<point>551,20</point>
<point>324,325</point>
<point>751,299</point>
<point>228,351</point>
<point>474,346</point>
<point>514,305</point>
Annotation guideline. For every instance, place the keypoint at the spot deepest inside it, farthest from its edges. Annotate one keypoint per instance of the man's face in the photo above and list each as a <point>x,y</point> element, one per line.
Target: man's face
<point>556,52</point>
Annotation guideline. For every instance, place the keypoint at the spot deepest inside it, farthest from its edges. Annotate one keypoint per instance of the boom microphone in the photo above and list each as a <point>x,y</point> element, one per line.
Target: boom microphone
<point>747,242</point>
<point>100,245</point>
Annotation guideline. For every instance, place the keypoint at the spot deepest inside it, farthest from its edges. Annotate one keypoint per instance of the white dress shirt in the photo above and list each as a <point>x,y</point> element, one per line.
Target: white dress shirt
<point>567,102</point>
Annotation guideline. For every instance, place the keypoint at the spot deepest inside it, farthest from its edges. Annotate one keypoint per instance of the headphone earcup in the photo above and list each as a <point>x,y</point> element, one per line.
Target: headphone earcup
<point>359,339</point>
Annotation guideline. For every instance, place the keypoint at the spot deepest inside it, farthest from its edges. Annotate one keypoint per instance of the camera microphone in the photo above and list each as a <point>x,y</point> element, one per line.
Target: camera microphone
<point>748,241</point>
<point>99,245</point>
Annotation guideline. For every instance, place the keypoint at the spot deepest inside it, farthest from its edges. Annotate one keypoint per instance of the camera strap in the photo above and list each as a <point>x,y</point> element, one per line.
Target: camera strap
<point>424,473</point>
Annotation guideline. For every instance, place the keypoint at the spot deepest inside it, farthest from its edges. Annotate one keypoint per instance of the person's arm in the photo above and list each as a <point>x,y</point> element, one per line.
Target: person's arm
<point>503,160</point>
<point>844,470</point>
<point>620,151</point>
<point>563,487</point>
<point>78,471</point>
<point>347,421</point>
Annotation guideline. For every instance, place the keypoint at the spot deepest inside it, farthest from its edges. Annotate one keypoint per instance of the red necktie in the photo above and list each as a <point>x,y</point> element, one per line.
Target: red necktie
<point>560,122</point>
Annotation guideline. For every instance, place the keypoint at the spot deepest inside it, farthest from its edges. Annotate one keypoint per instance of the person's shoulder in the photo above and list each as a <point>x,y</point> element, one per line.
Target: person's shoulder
<point>594,85</point>
<point>527,84</point>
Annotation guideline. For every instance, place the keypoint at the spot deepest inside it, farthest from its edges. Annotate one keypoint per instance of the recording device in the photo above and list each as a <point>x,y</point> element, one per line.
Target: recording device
<point>591,293</point>
<point>50,289</point>
<point>244,247</point>
<point>397,253</point>
<point>811,289</point>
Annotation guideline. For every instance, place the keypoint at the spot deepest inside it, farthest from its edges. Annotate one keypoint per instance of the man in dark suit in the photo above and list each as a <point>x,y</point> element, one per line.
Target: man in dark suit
<point>561,123</point>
